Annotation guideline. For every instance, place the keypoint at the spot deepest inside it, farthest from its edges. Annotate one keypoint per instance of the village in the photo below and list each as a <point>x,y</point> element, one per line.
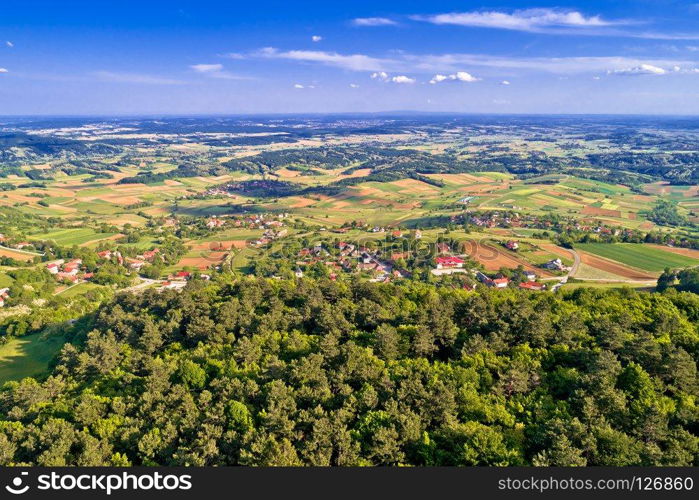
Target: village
<point>386,266</point>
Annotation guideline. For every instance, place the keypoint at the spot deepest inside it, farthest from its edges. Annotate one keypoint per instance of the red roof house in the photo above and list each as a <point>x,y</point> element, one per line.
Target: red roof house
<point>447,262</point>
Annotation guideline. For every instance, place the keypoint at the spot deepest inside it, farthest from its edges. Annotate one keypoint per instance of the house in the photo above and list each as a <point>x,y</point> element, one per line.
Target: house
<point>449,262</point>
<point>397,234</point>
<point>22,244</point>
<point>483,278</point>
<point>511,245</point>
<point>71,268</point>
<point>500,282</point>
<point>88,276</point>
<point>183,274</point>
<point>150,254</point>
<point>52,267</point>
<point>298,273</point>
<point>4,295</point>
<point>530,275</point>
<point>105,254</point>
<point>418,234</point>
<point>137,265</point>
<point>214,222</point>
<point>555,264</point>
<point>443,248</point>
<point>528,285</point>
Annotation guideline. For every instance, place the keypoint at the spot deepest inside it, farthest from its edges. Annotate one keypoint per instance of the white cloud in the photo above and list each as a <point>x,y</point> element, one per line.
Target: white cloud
<point>643,69</point>
<point>520,20</point>
<point>402,79</point>
<point>354,62</point>
<point>216,71</point>
<point>461,76</point>
<point>110,76</point>
<point>354,85</point>
<point>596,77</point>
<point>548,20</point>
<point>448,66</point>
<point>373,21</point>
<point>207,68</point>
<point>298,86</point>
<point>504,82</point>
<point>443,63</point>
<point>316,38</point>
<point>9,44</point>
<point>4,70</point>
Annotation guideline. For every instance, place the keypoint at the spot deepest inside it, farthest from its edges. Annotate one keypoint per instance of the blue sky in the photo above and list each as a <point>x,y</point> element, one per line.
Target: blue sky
<point>177,57</point>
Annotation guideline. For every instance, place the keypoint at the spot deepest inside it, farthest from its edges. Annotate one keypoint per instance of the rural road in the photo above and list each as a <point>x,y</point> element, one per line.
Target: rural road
<point>19,250</point>
<point>571,273</point>
<point>576,264</point>
<point>145,282</point>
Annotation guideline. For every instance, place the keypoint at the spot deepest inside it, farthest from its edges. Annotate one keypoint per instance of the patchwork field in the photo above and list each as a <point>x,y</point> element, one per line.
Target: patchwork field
<point>645,257</point>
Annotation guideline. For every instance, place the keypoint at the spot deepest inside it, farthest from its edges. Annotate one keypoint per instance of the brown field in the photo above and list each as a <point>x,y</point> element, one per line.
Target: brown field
<point>414,186</point>
<point>687,252</point>
<point>493,258</point>
<point>589,210</point>
<point>299,202</point>
<point>120,200</point>
<point>556,250</point>
<point>657,188</point>
<point>614,267</point>
<point>457,178</point>
<point>213,258</point>
<point>368,191</point>
<point>286,173</point>
<point>15,255</point>
<point>108,238</point>
<point>218,245</point>
<point>362,172</point>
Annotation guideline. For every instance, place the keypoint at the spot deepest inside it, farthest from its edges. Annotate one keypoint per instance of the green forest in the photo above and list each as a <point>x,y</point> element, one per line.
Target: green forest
<point>282,372</point>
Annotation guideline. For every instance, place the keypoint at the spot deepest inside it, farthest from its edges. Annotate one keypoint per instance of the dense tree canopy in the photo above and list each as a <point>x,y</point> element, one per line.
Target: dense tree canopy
<point>283,372</point>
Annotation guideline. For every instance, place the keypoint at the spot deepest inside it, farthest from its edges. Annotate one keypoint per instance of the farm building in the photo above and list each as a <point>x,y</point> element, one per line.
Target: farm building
<point>528,285</point>
<point>449,262</point>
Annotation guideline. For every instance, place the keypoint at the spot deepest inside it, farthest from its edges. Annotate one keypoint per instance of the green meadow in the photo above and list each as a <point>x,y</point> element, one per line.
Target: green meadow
<point>638,255</point>
<point>27,356</point>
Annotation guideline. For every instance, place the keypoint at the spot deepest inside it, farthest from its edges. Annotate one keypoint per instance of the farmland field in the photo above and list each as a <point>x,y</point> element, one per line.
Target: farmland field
<point>76,236</point>
<point>638,255</point>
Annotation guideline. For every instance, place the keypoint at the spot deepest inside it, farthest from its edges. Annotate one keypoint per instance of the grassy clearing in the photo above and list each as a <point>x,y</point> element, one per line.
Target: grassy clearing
<point>27,356</point>
<point>592,284</point>
<point>638,255</point>
<point>79,289</point>
<point>72,236</point>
